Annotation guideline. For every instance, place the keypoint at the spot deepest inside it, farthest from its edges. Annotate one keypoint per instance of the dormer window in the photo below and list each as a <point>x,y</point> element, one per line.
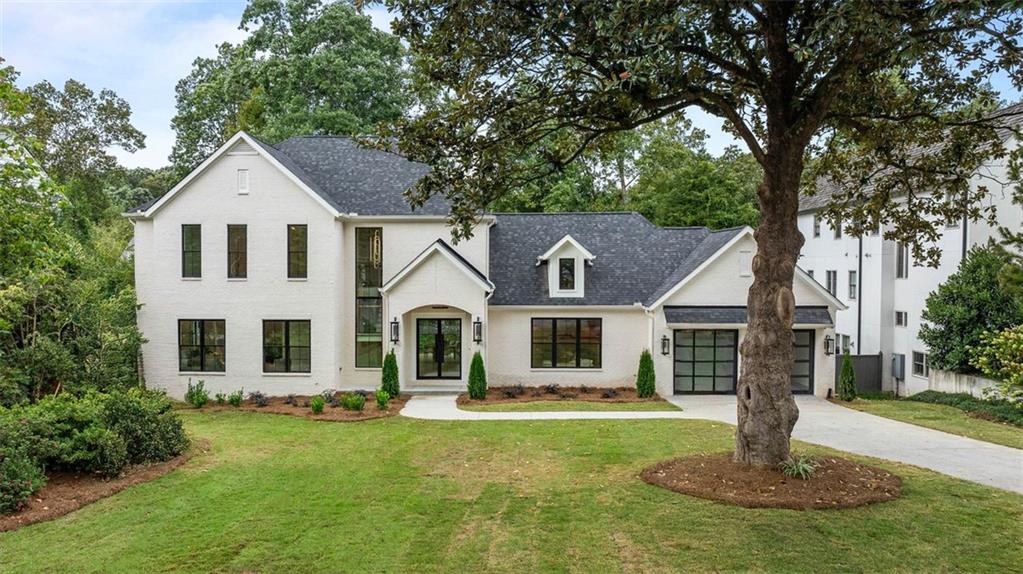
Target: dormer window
<point>566,274</point>
<point>566,268</point>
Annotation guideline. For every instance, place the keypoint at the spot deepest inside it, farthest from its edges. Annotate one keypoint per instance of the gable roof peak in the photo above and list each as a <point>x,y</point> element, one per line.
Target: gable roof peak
<point>567,239</point>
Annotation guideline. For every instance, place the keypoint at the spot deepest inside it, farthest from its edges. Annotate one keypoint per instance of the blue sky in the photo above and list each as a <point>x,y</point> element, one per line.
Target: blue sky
<point>141,48</point>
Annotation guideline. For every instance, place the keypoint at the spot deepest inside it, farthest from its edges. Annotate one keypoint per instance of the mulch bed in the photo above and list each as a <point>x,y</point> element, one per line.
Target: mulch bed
<point>66,492</point>
<point>277,406</point>
<point>499,395</point>
<point>837,483</point>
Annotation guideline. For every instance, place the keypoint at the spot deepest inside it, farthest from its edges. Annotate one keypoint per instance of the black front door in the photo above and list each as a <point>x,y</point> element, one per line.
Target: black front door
<point>438,348</point>
<point>802,368</point>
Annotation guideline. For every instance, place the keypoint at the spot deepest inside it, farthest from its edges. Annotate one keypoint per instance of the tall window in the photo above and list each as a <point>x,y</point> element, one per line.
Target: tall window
<point>921,365</point>
<point>566,274</point>
<point>201,345</point>
<point>816,225</point>
<point>831,278</point>
<point>286,347</point>
<point>853,280</point>
<point>191,251</point>
<point>298,244</point>
<point>566,343</point>
<point>369,274</point>
<point>901,261</point>
<point>237,251</point>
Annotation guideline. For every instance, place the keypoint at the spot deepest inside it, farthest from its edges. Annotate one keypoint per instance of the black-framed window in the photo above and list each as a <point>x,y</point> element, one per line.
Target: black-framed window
<point>369,276</point>
<point>286,346</point>
<point>565,343</point>
<point>901,261</point>
<point>191,250</point>
<point>237,251</point>
<point>853,285</point>
<point>566,274</point>
<point>201,344</point>
<point>298,251</point>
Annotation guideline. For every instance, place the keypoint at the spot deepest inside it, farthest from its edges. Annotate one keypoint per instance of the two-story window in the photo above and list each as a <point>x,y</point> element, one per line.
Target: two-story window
<point>901,261</point>
<point>831,284</point>
<point>191,251</point>
<point>298,246</point>
<point>853,285</point>
<point>286,346</point>
<point>369,275</point>
<point>201,345</point>
<point>237,252</point>
<point>566,343</point>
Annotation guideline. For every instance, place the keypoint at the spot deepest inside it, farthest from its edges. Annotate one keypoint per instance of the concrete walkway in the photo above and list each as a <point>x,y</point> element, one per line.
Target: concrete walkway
<point>820,422</point>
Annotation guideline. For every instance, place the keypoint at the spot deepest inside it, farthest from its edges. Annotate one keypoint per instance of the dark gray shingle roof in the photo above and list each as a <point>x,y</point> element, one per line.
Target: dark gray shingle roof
<point>634,258</point>
<point>736,315</point>
<point>441,244</point>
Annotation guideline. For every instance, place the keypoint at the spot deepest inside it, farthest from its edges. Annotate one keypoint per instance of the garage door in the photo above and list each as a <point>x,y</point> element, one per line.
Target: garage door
<point>705,360</point>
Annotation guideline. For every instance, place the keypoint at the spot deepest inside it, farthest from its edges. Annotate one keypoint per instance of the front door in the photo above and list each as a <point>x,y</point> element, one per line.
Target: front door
<point>802,368</point>
<point>438,348</point>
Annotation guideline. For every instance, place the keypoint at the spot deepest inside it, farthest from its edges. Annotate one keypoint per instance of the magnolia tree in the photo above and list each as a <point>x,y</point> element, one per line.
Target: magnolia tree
<point>512,92</point>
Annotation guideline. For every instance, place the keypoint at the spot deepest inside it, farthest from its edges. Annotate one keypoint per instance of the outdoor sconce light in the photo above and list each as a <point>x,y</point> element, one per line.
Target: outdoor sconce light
<point>665,345</point>
<point>477,331</point>
<point>394,331</point>
<point>829,345</point>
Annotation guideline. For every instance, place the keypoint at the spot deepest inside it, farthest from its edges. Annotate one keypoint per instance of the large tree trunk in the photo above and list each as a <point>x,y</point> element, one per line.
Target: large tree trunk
<point>766,410</point>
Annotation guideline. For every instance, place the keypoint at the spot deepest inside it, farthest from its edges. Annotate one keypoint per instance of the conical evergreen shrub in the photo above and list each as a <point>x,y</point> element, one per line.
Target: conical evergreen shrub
<point>645,379</point>
<point>389,376</point>
<point>847,380</point>
<point>477,378</point>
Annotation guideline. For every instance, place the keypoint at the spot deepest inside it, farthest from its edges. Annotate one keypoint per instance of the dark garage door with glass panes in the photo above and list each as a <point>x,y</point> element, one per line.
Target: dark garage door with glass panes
<point>705,360</point>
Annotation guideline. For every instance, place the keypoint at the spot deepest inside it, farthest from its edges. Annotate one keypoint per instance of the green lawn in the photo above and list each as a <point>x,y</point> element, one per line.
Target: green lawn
<point>547,406</point>
<point>284,494</point>
<point>943,418</point>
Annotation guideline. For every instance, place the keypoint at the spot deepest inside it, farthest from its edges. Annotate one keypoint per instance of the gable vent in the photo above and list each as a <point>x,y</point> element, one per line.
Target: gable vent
<point>242,148</point>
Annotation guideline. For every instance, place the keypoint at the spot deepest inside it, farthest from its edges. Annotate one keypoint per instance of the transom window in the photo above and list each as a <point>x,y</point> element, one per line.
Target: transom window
<point>566,343</point>
<point>566,274</point>
<point>191,250</point>
<point>298,243</point>
<point>237,251</point>
<point>201,345</point>
<point>286,347</point>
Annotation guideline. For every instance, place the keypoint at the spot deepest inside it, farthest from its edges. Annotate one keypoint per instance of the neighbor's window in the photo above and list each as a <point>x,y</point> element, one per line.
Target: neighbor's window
<point>901,261</point>
<point>838,229</point>
<point>369,275</point>
<point>566,274</point>
<point>243,181</point>
<point>201,345</point>
<point>286,347</point>
<point>831,278</point>
<point>237,251</point>
<point>566,343</point>
<point>191,251</point>
<point>816,225</point>
<point>298,246</point>
<point>901,318</point>
<point>921,367</point>
<point>852,285</point>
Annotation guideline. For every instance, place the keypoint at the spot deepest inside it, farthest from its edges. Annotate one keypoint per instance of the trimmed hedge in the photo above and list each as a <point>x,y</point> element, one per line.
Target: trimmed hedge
<point>99,433</point>
<point>1002,411</point>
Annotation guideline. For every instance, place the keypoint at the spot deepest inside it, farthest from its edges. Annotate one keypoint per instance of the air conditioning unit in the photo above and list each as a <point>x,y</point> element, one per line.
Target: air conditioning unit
<point>899,366</point>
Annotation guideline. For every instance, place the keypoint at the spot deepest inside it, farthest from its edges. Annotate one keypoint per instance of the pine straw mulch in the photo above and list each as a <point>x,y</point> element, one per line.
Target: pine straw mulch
<point>66,492</point>
<point>301,408</point>
<point>519,394</point>
<point>836,483</point>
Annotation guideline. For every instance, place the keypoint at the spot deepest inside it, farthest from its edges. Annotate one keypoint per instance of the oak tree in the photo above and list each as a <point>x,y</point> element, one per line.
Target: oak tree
<point>515,91</point>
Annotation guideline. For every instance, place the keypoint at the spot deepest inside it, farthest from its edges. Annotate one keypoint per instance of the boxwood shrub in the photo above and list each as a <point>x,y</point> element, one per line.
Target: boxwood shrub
<point>998,410</point>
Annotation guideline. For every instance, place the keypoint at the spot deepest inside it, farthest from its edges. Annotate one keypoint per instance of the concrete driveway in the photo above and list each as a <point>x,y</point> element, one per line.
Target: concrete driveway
<point>820,422</point>
<point>824,423</point>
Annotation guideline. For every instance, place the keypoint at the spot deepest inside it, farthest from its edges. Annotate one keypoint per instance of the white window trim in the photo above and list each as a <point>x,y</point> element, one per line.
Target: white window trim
<point>243,182</point>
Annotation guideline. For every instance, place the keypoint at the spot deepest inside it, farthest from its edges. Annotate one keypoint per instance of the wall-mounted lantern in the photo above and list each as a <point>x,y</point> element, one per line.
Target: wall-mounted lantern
<point>665,345</point>
<point>829,345</point>
<point>477,331</point>
<point>394,331</point>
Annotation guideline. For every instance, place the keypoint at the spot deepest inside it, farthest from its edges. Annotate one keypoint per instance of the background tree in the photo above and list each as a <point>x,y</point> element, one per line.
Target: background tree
<point>968,304</point>
<point>864,84</point>
<point>307,67</point>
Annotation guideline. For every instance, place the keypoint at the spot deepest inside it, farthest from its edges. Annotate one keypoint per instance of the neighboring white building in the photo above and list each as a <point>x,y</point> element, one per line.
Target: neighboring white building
<point>884,290</point>
<point>294,268</point>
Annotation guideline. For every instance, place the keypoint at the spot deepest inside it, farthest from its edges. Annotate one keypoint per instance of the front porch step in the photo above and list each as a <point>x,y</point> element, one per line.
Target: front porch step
<point>434,390</point>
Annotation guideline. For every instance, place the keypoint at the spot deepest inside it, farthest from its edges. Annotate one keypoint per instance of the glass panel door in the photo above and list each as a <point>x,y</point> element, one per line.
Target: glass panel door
<point>705,361</point>
<point>438,348</point>
<point>802,368</point>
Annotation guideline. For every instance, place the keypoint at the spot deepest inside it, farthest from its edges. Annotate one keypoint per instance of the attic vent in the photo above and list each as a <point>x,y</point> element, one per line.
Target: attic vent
<point>242,148</point>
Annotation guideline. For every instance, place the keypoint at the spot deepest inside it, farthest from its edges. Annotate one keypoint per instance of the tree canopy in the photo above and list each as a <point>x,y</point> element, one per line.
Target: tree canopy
<point>307,67</point>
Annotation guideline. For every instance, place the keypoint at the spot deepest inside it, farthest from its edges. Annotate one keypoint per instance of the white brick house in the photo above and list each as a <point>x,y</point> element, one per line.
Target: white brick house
<point>294,268</point>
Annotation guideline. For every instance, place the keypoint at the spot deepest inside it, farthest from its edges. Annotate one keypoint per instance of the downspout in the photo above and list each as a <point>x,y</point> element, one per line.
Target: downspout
<point>966,222</point>
<point>859,296</point>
